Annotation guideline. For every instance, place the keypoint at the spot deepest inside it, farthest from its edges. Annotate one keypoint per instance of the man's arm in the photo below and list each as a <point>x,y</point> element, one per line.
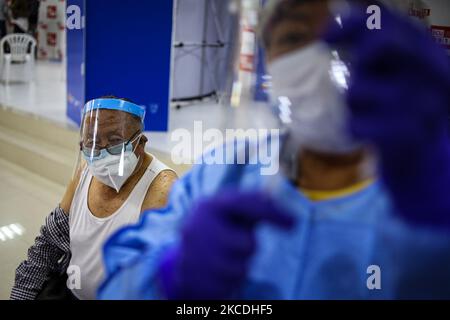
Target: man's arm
<point>50,246</point>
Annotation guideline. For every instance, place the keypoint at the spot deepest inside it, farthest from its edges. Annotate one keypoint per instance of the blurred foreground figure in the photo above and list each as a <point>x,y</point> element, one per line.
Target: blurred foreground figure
<point>327,226</point>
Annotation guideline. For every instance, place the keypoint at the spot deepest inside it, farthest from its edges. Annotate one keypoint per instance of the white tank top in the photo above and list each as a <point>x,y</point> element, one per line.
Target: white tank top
<point>88,233</point>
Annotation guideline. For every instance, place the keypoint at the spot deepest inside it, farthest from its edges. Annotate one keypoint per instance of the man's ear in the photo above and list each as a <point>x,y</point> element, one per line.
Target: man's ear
<point>140,147</point>
<point>143,139</point>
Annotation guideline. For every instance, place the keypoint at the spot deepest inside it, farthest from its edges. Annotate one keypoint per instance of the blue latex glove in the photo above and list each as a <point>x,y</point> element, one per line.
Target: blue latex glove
<point>399,98</point>
<point>217,243</point>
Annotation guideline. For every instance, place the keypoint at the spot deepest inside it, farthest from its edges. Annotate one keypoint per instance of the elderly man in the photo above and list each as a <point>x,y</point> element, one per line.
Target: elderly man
<point>333,231</point>
<point>115,181</point>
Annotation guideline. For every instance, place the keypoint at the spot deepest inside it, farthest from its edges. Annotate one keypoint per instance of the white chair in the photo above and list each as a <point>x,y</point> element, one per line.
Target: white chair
<point>22,54</point>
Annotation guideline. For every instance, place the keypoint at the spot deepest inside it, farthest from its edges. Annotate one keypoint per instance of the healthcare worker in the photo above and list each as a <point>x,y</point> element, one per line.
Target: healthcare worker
<point>332,230</point>
<point>115,181</point>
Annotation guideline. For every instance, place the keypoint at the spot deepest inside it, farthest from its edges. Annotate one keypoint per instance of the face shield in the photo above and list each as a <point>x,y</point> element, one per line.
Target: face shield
<point>110,132</point>
<point>285,77</point>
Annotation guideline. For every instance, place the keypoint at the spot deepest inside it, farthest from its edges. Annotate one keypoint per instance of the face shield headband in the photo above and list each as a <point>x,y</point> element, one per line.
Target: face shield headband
<point>116,104</point>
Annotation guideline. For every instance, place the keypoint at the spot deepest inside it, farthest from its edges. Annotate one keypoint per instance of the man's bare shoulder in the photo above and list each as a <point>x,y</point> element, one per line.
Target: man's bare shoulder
<point>158,192</point>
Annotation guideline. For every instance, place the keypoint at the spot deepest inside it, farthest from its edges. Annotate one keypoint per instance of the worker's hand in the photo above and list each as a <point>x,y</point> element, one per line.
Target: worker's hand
<point>217,243</point>
<point>399,96</point>
<point>400,79</point>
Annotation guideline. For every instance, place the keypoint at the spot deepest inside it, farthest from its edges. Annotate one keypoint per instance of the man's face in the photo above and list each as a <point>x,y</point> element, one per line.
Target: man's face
<point>295,26</point>
<point>108,128</point>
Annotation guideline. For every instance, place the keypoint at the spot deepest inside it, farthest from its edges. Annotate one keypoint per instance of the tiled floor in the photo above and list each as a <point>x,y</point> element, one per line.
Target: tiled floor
<point>25,199</point>
<point>46,96</point>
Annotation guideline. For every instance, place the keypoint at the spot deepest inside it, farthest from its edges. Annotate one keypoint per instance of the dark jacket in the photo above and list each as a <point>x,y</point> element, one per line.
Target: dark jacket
<point>21,9</point>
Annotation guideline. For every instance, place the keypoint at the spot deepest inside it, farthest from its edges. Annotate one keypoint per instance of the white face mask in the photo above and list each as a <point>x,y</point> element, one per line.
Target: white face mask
<point>114,170</point>
<point>309,85</point>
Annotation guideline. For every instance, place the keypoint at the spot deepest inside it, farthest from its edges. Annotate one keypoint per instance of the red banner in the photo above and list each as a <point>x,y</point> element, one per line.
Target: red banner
<point>442,35</point>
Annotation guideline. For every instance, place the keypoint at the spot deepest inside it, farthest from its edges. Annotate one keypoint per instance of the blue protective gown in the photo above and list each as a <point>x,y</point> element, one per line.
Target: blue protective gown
<point>326,256</point>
